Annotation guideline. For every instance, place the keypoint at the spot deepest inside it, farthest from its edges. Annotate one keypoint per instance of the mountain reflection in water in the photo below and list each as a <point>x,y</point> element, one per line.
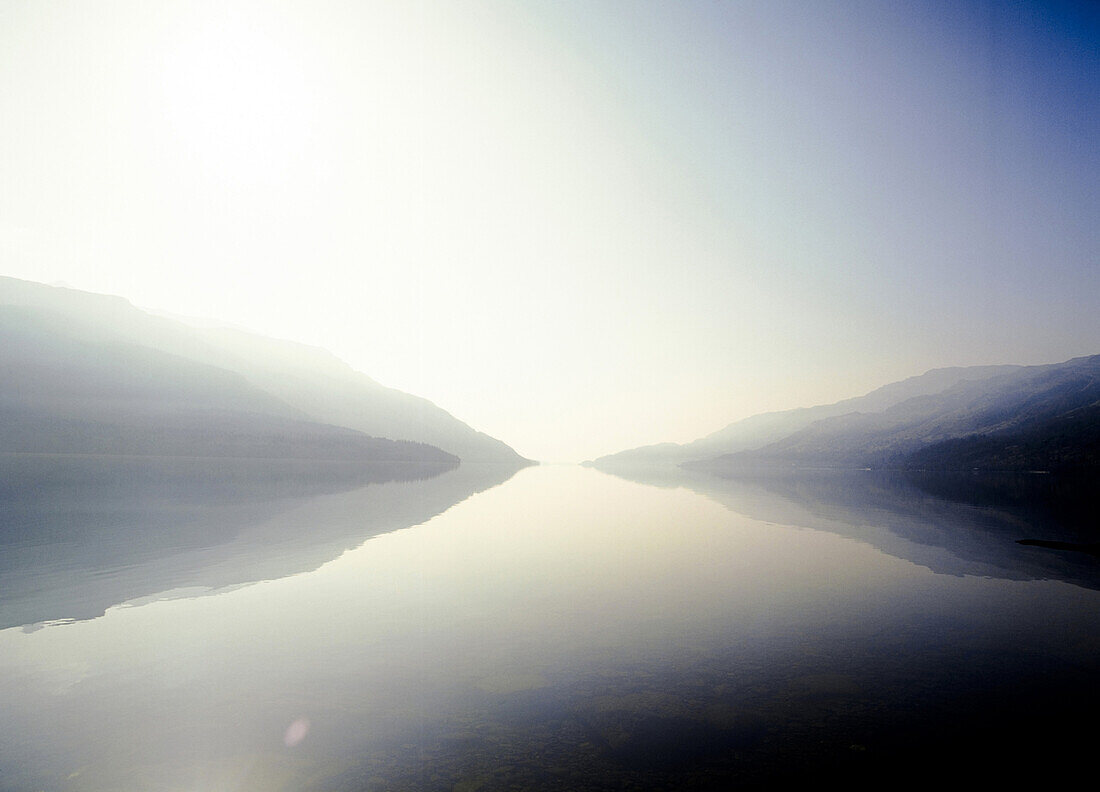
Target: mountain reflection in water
<point>570,630</point>
<point>952,523</point>
<point>80,534</point>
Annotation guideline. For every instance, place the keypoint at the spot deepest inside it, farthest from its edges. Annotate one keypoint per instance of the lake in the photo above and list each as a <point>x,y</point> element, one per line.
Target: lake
<point>173,626</point>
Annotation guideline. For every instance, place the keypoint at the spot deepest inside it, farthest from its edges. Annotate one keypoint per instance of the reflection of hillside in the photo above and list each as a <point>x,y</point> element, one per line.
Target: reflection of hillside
<point>80,534</point>
<point>953,524</point>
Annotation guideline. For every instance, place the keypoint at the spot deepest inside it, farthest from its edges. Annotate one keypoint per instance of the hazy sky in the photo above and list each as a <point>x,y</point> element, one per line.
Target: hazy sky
<point>578,226</point>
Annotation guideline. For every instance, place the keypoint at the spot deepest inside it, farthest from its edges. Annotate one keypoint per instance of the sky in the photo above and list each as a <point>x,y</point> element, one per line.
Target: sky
<point>577,226</point>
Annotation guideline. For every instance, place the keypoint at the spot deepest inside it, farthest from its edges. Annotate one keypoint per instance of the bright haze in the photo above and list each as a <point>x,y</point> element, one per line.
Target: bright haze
<point>578,226</point>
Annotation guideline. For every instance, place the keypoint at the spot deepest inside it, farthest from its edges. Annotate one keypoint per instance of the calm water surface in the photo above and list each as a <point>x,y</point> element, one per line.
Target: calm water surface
<point>551,628</point>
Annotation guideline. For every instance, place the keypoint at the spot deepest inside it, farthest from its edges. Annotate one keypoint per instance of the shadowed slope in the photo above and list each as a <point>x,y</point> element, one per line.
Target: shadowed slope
<point>63,393</point>
<point>1045,416</point>
<point>295,380</point>
<point>760,430</point>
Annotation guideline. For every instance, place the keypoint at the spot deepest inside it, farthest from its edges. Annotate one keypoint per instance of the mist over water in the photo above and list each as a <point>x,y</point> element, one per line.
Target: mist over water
<point>559,628</point>
<point>300,542</point>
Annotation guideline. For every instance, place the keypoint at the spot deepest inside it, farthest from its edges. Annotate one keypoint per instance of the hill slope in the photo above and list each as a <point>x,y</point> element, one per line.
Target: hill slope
<point>1033,417</point>
<point>761,430</point>
<point>292,380</point>
<point>62,393</point>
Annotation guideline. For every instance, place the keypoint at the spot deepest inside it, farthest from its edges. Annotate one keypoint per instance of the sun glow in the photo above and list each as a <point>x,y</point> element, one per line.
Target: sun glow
<point>729,208</point>
<point>233,96</point>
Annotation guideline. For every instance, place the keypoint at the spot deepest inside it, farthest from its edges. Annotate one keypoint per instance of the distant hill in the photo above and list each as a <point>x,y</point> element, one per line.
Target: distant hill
<point>1034,417</point>
<point>984,417</point>
<point>761,430</point>
<point>65,394</point>
<point>91,373</point>
<point>327,389</point>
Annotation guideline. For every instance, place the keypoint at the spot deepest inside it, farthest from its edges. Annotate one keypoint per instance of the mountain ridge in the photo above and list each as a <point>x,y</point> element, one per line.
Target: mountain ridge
<point>757,431</point>
<point>1035,404</point>
<point>307,386</point>
<point>986,417</point>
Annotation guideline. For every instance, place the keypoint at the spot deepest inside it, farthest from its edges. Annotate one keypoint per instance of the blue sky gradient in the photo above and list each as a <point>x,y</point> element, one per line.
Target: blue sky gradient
<point>580,226</point>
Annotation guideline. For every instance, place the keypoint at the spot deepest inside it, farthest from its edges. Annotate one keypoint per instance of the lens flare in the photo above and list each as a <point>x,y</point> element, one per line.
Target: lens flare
<point>296,732</point>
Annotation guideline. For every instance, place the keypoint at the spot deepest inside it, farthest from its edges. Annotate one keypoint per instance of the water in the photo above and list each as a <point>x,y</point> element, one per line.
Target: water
<point>547,628</point>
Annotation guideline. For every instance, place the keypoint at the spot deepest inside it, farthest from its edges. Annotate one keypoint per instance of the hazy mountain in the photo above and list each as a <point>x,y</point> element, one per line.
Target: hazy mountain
<point>1067,441</point>
<point>105,341</point>
<point>327,389</point>
<point>66,393</point>
<point>1045,417</point>
<point>760,430</point>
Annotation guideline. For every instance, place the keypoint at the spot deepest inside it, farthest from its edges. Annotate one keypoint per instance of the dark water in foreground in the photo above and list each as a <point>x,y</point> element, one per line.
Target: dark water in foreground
<point>553,628</point>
